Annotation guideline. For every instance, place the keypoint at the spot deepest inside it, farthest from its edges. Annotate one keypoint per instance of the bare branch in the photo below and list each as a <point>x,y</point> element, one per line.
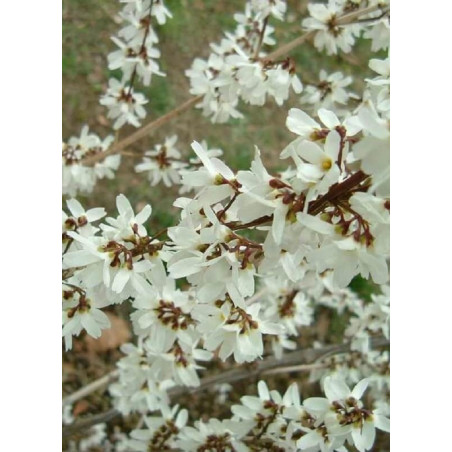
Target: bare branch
<point>142,132</point>
<point>92,387</point>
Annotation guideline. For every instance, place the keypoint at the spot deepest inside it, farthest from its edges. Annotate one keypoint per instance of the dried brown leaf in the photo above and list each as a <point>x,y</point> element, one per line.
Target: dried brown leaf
<point>116,335</point>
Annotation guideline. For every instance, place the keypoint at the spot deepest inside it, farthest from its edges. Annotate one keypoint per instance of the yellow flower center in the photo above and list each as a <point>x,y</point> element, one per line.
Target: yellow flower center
<point>326,164</point>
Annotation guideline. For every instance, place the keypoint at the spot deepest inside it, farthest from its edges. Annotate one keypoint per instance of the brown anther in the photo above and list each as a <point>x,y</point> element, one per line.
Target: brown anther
<point>81,221</point>
<point>288,198</point>
<point>68,294</point>
<point>276,183</point>
<point>319,134</point>
<point>70,223</point>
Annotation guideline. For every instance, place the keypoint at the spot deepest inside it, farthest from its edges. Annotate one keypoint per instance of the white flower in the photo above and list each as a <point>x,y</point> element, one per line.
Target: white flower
<point>80,178</point>
<point>80,312</point>
<point>319,440</point>
<point>320,168</point>
<point>235,330</point>
<point>136,389</point>
<point>347,257</point>
<point>163,314</point>
<point>328,92</point>
<point>163,163</point>
<point>303,125</point>
<point>373,149</point>
<point>291,309</point>
<point>179,362</point>
<point>212,435</point>
<point>277,8</point>
<point>330,34</point>
<point>268,405</point>
<point>97,434</point>
<point>92,253</point>
<point>137,58</point>
<point>81,220</point>
<point>160,432</point>
<point>127,223</point>
<point>215,177</point>
<point>344,416</point>
<point>137,28</point>
<point>124,105</point>
<point>379,34</point>
<point>160,11</point>
<point>350,416</point>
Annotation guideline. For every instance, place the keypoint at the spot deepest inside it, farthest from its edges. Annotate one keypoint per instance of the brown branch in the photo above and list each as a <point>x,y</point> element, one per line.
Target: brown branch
<point>307,356</point>
<point>257,222</point>
<point>140,133</point>
<point>261,38</point>
<point>343,20</point>
<point>336,191</point>
<point>92,387</point>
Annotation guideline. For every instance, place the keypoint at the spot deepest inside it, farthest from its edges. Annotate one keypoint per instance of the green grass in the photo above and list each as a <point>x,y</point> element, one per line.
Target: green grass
<point>160,98</point>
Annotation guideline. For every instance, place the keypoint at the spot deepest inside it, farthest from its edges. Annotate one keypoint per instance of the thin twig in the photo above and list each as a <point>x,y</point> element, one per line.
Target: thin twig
<point>298,368</point>
<point>92,387</point>
<point>261,38</point>
<point>140,133</point>
<point>143,46</point>
<point>336,191</point>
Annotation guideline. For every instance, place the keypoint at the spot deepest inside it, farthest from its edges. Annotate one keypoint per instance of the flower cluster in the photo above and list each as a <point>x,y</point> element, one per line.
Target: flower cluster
<point>137,58</point>
<point>329,92</point>
<point>78,177</point>
<point>270,421</point>
<point>332,33</point>
<point>238,68</point>
<point>255,254</point>
<point>163,163</point>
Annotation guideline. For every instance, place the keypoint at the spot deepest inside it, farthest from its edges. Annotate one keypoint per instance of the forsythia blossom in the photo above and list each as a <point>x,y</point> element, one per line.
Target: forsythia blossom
<point>256,256</point>
<point>78,177</point>
<point>137,58</point>
<point>237,68</point>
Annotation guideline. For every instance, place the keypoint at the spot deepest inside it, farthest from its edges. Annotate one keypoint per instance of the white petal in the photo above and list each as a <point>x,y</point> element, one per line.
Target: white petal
<point>75,207</point>
<point>328,118</point>
<point>381,422</point>
<point>317,404</point>
<point>121,279</point>
<point>90,325</point>
<point>263,390</point>
<point>123,206</point>
<point>144,214</point>
<point>279,222</point>
<point>299,122</point>
<point>336,389</point>
<point>95,214</point>
<point>359,389</point>
<point>315,223</point>
<point>311,152</point>
<point>333,144</point>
